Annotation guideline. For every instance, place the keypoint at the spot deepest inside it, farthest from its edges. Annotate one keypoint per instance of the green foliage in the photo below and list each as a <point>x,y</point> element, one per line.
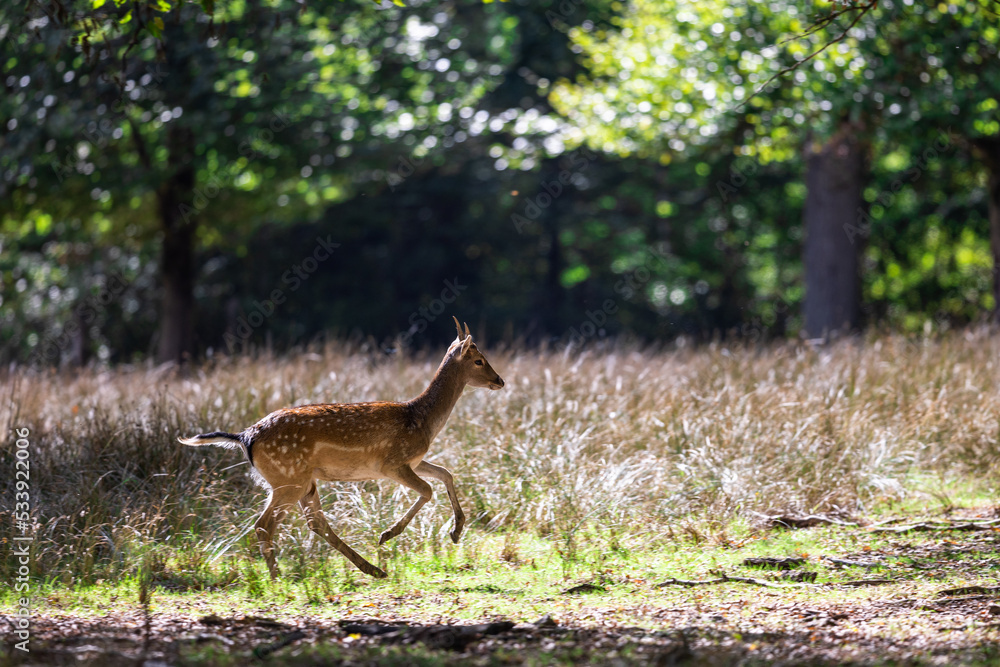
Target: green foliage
<point>676,81</point>
<point>428,142</point>
<point>273,125</point>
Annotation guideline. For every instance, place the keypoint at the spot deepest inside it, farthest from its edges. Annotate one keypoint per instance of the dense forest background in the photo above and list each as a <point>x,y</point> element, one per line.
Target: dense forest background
<point>186,179</point>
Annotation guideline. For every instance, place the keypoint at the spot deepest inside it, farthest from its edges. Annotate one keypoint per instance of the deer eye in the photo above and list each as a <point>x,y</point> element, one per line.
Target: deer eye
<point>479,362</point>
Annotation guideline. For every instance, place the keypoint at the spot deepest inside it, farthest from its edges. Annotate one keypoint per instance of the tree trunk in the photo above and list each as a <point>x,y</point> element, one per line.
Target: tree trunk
<point>994,211</point>
<point>79,349</point>
<point>178,222</point>
<point>989,150</point>
<point>834,234</point>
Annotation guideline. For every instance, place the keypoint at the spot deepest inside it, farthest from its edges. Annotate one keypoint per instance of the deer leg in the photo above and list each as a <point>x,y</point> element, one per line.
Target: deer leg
<point>317,522</point>
<point>442,475</point>
<point>407,477</point>
<point>278,503</point>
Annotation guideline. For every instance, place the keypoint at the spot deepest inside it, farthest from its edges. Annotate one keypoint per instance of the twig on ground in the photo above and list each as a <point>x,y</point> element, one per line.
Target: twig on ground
<point>801,520</point>
<point>867,582</point>
<point>968,590</point>
<point>950,628</point>
<point>756,582</point>
<point>723,580</point>
<point>145,593</point>
<point>951,601</point>
<point>775,563</point>
<point>850,563</point>
<point>688,582</point>
<point>268,649</point>
<point>884,522</point>
<point>454,637</point>
<point>584,588</point>
<point>371,629</point>
<point>925,526</point>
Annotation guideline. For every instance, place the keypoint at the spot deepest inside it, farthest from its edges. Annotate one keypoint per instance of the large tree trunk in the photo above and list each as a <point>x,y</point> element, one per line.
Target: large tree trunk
<point>178,221</point>
<point>994,210</point>
<point>989,150</point>
<point>834,234</point>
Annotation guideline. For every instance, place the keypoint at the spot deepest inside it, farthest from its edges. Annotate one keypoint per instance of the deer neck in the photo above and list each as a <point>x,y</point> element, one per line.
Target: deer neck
<point>432,408</point>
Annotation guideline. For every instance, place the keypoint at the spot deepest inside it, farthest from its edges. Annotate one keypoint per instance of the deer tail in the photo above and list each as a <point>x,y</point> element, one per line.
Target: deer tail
<point>221,439</point>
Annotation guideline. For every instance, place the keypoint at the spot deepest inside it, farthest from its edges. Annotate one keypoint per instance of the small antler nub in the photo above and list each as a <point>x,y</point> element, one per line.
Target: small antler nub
<point>457,326</point>
<point>466,329</point>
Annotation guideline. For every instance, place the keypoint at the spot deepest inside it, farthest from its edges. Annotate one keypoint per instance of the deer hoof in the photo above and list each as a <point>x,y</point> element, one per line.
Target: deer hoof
<point>455,536</point>
<point>386,536</point>
<point>377,573</point>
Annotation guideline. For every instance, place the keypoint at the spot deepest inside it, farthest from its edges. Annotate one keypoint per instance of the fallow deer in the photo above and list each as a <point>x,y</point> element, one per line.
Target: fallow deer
<point>293,448</point>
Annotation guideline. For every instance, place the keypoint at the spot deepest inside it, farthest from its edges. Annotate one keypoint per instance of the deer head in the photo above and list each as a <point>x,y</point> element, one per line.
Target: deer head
<point>476,370</point>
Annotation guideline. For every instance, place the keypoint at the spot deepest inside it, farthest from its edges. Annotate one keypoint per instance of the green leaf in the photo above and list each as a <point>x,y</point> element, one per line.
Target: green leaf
<point>97,4</point>
<point>125,19</point>
<point>573,275</point>
<point>156,26</point>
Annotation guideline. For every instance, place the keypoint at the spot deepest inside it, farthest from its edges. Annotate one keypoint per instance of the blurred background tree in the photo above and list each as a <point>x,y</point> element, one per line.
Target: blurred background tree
<point>860,109</point>
<point>178,178</point>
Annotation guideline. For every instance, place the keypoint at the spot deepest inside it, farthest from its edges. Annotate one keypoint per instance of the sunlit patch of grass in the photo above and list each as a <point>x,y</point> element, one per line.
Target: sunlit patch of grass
<point>486,586</point>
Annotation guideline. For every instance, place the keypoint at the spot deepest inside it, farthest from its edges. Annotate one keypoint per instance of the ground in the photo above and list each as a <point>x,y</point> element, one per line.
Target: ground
<point>906,590</point>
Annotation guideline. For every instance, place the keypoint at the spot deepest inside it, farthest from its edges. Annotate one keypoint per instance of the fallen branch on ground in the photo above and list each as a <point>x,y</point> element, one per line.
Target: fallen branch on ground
<point>775,563</point>
<point>213,619</point>
<point>867,582</point>
<point>584,588</point>
<point>757,582</point>
<point>969,590</point>
<point>268,649</point>
<point>850,563</point>
<point>688,582</point>
<point>455,637</point>
<point>801,520</point>
<point>722,580</point>
<point>924,526</point>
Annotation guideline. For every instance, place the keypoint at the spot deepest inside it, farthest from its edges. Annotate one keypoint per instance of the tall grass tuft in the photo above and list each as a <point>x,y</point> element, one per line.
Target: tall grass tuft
<point>620,444</point>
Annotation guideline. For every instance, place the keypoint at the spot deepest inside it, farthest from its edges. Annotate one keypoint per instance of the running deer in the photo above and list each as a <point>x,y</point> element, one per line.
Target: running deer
<point>293,448</point>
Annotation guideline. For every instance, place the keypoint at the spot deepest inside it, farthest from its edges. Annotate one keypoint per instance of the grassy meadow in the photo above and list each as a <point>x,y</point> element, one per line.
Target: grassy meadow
<point>619,466</point>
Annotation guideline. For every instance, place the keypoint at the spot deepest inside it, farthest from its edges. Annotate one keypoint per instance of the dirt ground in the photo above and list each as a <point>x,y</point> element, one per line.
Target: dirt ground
<point>815,634</point>
<point>896,604</point>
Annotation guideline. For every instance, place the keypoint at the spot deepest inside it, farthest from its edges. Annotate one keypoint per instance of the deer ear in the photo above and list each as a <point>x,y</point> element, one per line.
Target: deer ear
<point>466,344</point>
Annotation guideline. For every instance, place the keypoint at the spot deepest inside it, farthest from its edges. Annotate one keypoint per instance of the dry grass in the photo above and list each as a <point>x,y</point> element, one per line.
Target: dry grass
<point>619,445</point>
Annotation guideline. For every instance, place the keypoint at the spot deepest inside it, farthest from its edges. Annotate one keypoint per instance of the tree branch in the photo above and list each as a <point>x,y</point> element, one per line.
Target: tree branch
<point>864,10</point>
